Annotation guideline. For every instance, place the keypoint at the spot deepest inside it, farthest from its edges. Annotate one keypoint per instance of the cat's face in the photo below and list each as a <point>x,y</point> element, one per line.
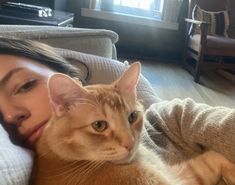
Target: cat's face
<point>97,122</point>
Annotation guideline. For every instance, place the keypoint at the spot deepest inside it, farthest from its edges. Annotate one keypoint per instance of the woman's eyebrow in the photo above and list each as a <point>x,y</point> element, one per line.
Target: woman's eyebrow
<point>7,77</point>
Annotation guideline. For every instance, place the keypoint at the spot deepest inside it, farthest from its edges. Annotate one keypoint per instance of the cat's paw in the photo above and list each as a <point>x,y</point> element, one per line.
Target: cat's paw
<point>228,172</point>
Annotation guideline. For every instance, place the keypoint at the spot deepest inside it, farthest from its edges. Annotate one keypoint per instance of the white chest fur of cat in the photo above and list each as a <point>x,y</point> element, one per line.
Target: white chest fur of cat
<point>93,138</point>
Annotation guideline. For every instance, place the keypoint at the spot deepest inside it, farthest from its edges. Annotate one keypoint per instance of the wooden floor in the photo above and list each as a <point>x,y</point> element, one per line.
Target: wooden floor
<point>171,81</point>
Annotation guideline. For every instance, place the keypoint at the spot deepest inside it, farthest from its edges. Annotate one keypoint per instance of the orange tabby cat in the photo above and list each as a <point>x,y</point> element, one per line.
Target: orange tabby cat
<point>93,138</point>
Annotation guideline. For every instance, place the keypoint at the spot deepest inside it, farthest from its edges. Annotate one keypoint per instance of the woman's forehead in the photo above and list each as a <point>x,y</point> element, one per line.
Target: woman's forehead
<point>7,61</point>
<point>10,62</point>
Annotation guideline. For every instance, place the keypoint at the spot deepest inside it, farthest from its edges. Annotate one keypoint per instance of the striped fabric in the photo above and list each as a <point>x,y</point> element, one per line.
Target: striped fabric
<point>219,21</point>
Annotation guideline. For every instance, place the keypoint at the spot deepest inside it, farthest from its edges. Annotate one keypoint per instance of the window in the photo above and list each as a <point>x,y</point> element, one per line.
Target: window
<point>145,8</point>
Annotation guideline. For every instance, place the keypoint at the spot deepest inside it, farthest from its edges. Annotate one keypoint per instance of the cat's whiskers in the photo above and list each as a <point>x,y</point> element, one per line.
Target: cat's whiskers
<point>73,165</point>
<point>92,166</point>
<point>56,173</point>
<point>70,172</point>
<point>69,179</point>
<point>88,168</point>
<point>75,173</point>
<point>81,171</point>
<point>98,164</point>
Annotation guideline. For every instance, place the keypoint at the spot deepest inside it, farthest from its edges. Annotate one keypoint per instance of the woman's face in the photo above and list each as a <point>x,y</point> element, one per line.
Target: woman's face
<point>24,102</point>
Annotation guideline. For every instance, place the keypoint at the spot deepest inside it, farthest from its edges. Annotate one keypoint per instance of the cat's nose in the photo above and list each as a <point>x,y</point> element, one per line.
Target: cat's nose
<point>129,147</point>
<point>128,144</point>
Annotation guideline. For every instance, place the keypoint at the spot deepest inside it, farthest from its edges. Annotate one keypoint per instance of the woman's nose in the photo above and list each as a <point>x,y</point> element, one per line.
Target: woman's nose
<point>14,114</point>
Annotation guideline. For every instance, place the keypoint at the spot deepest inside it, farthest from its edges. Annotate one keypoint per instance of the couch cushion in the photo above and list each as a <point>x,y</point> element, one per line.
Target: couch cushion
<point>219,21</point>
<point>92,41</point>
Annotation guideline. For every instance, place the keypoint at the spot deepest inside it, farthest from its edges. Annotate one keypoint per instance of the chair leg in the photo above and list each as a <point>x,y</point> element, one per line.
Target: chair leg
<point>197,76</point>
<point>197,73</point>
<point>184,58</point>
<point>185,52</point>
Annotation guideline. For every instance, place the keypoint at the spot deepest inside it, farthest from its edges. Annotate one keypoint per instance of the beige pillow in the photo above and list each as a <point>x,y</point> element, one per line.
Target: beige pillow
<point>219,21</point>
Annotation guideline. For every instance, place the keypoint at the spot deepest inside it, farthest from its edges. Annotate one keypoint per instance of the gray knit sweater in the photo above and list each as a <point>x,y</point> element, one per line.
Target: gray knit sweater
<point>181,129</point>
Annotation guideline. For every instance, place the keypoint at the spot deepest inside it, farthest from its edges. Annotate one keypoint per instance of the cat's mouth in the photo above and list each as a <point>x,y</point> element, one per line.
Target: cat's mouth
<point>127,158</point>
<point>35,133</point>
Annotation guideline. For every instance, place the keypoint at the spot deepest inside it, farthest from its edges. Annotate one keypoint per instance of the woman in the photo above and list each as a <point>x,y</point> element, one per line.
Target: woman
<point>25,67</point>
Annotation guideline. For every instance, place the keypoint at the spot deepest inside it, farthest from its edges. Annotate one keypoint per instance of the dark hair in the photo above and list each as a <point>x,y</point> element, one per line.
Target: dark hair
<point>40,52</point>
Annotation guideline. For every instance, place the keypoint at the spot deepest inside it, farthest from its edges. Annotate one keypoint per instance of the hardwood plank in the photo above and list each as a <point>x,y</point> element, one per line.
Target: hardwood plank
<point>171,81</point>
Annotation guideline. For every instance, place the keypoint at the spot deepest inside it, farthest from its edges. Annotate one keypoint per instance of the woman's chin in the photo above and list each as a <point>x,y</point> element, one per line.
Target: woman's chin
<point>34,137</point>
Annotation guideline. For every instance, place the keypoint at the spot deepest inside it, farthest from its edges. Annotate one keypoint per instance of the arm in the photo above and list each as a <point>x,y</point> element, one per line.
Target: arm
<point>195,127</point>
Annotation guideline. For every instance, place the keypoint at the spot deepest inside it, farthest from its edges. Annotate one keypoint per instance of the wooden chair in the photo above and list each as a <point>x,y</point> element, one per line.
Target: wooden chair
<point>203,51</point>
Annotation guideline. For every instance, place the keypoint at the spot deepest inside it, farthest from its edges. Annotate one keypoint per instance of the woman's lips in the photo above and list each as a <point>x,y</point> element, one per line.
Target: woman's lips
<point>35,134</point>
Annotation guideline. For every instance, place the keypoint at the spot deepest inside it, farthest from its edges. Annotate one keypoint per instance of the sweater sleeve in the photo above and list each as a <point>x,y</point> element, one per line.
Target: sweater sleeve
<point>194,126</point>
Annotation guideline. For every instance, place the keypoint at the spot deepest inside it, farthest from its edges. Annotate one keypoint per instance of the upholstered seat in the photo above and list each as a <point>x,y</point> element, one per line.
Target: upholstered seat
<point>222,44</point>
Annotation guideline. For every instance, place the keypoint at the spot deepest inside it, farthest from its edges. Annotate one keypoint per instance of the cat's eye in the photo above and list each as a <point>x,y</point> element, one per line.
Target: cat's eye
<point>133,117</point>
<point>100,125</point>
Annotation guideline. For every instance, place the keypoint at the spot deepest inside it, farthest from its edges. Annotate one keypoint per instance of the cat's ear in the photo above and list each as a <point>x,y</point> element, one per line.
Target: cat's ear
<point>128,81</point>
<point>63,91</point>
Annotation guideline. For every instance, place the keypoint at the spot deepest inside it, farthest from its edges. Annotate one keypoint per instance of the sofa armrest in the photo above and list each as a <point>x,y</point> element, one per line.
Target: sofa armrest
<point>92,41</point>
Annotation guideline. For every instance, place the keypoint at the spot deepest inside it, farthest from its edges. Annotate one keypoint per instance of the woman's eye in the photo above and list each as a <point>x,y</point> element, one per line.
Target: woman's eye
<point>100,126</point>
<point>26,86</point>
<point>133,117</point>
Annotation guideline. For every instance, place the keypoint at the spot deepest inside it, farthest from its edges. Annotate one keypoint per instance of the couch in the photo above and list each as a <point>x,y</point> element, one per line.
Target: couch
<point>96,49</point>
